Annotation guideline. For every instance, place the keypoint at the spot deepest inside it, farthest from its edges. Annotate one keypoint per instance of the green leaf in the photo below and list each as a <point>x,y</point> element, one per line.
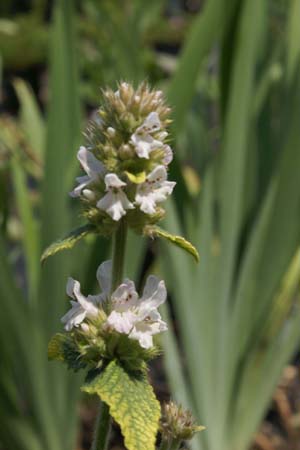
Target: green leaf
<point>131,402</point>
<point>180,241</point>
<point>67,242</point>
<point>31,118</point>
<point>30,232</point>
<point>55,347</point>
<point>293,39</point>
<point>208,25</point>
<point>136,178</point>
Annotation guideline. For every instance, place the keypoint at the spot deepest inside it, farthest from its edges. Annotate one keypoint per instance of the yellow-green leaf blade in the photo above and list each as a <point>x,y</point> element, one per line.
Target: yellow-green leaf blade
<point>67,242</point>
<point>132,404</point>
<point>180,241</point>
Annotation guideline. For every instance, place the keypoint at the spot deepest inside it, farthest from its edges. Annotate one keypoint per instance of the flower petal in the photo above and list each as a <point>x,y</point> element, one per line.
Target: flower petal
<point>113,181</point>
<point>104,276</point>
<point>70,287</point>
<point>146,202</point>
<point>115,204</point>
<point>90,164</point>
<point>142,145</point>
<point>145,339</point>
<point>125,296</point>
<point>83,182</point>
<point>154,190</point>
<point>168,155</point>
<point>121,322</point>
<point>158,175</point>
<point>151,124</point>
<point>87,304</point>
<point>74,316</point>
<point>154,293</point>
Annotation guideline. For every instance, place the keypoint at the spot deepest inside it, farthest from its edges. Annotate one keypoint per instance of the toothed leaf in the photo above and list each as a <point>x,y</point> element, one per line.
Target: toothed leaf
<point>131,402</point>
<point>154,231</point>
<point>68,242</point>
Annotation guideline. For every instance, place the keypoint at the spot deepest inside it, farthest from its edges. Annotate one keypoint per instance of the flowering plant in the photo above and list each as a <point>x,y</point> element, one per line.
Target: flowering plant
<point>112,335</point>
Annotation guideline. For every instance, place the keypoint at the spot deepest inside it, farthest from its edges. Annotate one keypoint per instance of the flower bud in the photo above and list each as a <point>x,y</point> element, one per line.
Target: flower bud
<point>126,152</point>
<point>177,423</point>
<point>85,327</point>
<point>111,131</point>
<point>88,194</point>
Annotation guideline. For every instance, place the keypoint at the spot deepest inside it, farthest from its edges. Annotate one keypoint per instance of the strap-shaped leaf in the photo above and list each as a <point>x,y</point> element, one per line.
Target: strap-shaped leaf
<point>131,402</point>
<point>68,241</point>
<point>154,231</point>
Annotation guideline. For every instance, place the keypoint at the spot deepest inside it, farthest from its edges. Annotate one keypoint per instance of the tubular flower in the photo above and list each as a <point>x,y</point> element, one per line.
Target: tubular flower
<point>154,190</point>
<point>82,308</point>
<point>124,311</point>
<point>138,318</point>
<point>93,168</point>
<point>142,139</point>
<point>86,307</point>
<point>115,201</point>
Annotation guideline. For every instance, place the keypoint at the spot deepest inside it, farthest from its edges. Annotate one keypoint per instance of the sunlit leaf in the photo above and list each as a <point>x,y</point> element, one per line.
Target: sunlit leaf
<point>156,232</point>
<point>68,242</point>
<point>131,402</point>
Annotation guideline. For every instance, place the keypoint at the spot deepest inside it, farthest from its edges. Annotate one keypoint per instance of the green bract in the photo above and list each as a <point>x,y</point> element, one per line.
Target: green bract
<point>95,349</point>
<point>131,402</point>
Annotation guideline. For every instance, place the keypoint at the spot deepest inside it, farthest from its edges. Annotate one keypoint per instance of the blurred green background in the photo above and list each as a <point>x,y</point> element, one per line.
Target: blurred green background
<point>230,71</point>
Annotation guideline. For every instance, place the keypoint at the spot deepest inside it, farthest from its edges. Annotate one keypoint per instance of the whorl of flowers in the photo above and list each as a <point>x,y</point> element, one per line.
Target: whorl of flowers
<point>109,325</point>
<point>123,312</point>
<point>126,160</point>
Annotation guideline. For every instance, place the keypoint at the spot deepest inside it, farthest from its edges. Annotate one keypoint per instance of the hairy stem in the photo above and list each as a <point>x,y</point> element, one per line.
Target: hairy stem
<point>173,444</point>
<point>103,426</point>
<point>164,445</point>
<point>102,429</point>
<point>119,244</point>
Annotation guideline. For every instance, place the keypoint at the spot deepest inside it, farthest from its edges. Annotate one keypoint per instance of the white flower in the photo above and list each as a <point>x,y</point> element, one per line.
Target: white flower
<point>150,125</point>
<point>168,155</point>
<point>115,202</point>
<point>142,140</point>
<point>82,308</point>
<point>138,318</point>
<point>124,300</point>
<point>93,168</point>
<point>154,190</point>
<point>86,307</point>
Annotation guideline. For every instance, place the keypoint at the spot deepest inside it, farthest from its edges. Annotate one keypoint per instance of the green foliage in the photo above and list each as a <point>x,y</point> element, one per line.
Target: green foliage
<point>55,347</point>
<point>95,348</point>
<point>131,402</point>
<point>68,241</point>
<point>238,311</point>
<point>154,231</point>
